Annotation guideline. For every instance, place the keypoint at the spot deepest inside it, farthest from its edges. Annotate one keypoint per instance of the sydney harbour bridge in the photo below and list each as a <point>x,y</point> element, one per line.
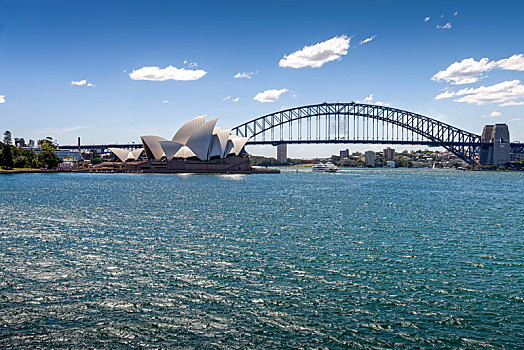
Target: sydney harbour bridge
<point>354,123</point>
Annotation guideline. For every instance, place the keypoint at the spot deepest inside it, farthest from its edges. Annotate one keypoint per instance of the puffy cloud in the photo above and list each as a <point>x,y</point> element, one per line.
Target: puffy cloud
<point>168,73</point>
<point>81,83</point>
<point>456,13</point>
<point>316,55</point>
<point>495,114</point>
<point>191,64</point>
<point>515,62</point>
<point>269,95</point>
<point>445,26</point>
<point>236,99</point>
<point>367,40</point>
<point>244,75</point>
<point>165,101</point>
<point>470,71</point>
<point>2,98</point>
<point>464,72</point>
<point>371,100</point>
<point>506,93</point>
<point>514,120</point>
<point>427,19</point>
<point>512,103</point>
<point>445,94</point>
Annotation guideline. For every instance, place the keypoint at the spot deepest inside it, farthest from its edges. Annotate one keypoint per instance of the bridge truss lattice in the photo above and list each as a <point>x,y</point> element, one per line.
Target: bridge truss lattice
<point>358,123</point>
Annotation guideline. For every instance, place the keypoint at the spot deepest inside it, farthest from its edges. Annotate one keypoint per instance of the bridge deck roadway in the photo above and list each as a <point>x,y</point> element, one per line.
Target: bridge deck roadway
<point>513,145</point>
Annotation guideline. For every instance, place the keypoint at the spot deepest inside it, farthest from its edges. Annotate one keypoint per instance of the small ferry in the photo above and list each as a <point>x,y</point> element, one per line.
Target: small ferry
<point>325,167</point>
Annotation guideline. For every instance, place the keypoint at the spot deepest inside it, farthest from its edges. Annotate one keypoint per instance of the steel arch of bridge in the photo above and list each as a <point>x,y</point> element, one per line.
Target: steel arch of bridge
<point>358,123</point>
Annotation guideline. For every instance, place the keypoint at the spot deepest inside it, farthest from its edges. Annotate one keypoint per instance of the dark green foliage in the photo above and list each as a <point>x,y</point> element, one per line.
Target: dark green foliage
<point>264,161</point>
<point>25,158</point>
<point>96,161</point>
<point>47,156</point>
<point>6,157</point>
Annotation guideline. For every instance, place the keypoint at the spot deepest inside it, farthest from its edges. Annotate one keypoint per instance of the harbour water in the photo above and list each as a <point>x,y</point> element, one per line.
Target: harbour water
<point>361,258</point>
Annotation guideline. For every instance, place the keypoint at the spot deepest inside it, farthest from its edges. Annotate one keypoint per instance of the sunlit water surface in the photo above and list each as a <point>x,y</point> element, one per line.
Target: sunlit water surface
<point>360,258</point>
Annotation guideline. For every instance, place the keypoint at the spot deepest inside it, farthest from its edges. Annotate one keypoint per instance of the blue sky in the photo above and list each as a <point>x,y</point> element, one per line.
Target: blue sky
<point>45,46</point>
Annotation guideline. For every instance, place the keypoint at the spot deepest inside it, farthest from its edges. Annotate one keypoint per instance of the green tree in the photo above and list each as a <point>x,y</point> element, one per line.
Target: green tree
<point>47,156</point>
<point>7,159</point>
<point>25,158</point>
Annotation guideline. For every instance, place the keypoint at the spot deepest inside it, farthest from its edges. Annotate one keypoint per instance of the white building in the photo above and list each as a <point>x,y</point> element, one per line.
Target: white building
<point>196,139</point>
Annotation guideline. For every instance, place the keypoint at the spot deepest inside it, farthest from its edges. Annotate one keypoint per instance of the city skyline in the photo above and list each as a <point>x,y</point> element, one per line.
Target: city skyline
<point>109,72</point>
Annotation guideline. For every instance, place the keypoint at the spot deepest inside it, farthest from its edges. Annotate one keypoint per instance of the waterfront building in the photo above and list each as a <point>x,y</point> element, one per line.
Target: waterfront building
<point>389,154</point>
<point>282,153</point>
<point>71,155</point>
<point>198,146</point>
<point>195,139</point>
<point>344,153</point>
<point>390,163</point>
<point>370,158</point>
<point>124,155</point>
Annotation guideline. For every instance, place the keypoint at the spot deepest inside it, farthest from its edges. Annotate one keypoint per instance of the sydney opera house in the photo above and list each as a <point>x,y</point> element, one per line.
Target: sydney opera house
<point>198,146</point>
<point>124,155</point>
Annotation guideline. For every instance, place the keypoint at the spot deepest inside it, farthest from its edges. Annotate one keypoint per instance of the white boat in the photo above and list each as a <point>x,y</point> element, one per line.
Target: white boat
<point>325,167</point>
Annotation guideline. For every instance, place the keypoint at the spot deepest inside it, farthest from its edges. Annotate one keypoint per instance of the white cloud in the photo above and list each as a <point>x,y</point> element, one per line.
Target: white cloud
<point>168,73</point>
<point>165,101</point>
<point>245,75</point>
<point>269,95</point>
<point>236,99</point>
<point>316,55</point>
<point>506,93</point>
<point>367,40</point>
<point>445,26</point>
<point>227,98</point>
<point>464,72</point>
<point>81,83</point>
<point>2,98</point>
<point>515,62</point>
<point>512,103</point>
<point>456,13</point>
<point>445,94</point>
<point>495,114</point>
<point>470,71</point>
<point>427,19</point>
<point>514,120</point>
<point>191,64</point>
<point>55,131</point>
<point>371,100</point>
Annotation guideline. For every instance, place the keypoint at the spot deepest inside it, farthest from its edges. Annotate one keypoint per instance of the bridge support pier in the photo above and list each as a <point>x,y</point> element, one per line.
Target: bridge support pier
<point>495,149</point>
<point>282,152</point>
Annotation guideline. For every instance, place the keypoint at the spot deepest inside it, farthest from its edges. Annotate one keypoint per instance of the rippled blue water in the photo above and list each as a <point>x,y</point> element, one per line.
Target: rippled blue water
<point>361,258</point>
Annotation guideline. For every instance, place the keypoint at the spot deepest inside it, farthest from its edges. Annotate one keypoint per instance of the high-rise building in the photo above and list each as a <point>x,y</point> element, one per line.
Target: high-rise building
<point>19,142</point>
<point>389,154</point>
<point>344,153</point>
<point>282,152</point>
<point>370,158</point>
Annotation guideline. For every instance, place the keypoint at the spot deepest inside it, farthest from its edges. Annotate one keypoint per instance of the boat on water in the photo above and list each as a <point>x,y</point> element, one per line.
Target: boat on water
<point>325,167</point>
